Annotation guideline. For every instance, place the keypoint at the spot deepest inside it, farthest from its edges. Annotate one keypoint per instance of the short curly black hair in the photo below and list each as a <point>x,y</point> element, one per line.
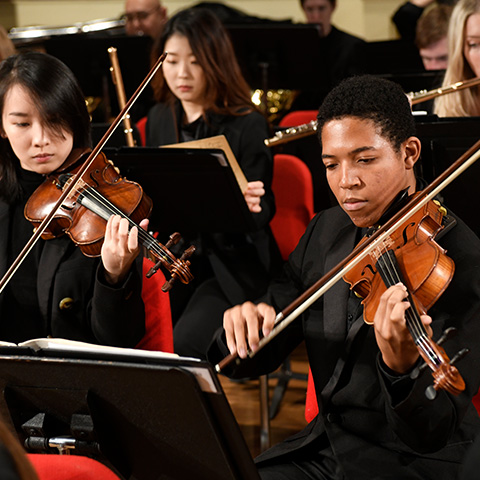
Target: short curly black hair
<point>373,98</point>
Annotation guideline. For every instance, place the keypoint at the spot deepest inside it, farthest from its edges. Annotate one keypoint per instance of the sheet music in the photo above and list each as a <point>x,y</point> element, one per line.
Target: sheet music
<point>202,374</point>
<point>220,142</point>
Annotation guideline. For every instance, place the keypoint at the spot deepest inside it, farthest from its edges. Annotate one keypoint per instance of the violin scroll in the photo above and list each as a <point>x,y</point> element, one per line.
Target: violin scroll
<point>446,376</point>
<point>178,268</point>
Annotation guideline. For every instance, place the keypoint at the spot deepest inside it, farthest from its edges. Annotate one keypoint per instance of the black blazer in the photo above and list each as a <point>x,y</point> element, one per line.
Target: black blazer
<point>99,314</point>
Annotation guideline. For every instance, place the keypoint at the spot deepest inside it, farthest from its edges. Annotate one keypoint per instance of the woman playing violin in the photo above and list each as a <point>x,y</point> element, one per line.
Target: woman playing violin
<point>202,93</point>
<point>57,290</point>
<point>374,419</point>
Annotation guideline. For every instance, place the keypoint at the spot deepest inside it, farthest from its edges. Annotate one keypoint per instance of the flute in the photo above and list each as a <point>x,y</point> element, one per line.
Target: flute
<point>306,129</point>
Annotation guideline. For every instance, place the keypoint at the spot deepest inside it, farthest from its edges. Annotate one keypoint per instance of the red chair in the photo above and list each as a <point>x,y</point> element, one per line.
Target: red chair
<point>141,127</point>
<point>69,467</point>
<point>476,402</point>
<point>311,405</point>
<point>158,319</point>
<point>293,189</point>
<point>298,117</point>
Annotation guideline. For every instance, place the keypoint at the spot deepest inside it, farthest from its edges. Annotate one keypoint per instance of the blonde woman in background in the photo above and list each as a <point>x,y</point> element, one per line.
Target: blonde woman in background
<point>463,63</point>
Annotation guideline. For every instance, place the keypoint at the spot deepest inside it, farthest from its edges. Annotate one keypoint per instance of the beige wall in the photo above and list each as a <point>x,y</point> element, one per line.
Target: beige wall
<point>369,19</point>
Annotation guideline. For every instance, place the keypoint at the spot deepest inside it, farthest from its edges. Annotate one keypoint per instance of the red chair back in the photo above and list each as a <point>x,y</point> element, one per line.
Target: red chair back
<point>311,405</point>
<point>476,402</point>
<point>298,117</point>
<point>293,189</point>
<point>141,127</point>
<point>158,318</point>
<point>69,467</point>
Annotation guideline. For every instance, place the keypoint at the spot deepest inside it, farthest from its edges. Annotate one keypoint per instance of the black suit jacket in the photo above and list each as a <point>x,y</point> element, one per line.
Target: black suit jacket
<point>98,314</point>
<point>378,426</point>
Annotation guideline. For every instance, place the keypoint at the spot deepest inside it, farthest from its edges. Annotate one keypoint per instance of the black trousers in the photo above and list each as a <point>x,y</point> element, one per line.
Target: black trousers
<point>315,462</point>
<point>202,316</point>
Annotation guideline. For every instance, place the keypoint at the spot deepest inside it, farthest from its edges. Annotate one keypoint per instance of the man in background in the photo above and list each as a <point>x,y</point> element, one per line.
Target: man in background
<point>145,17</point>
<point>431,37</point>
<point>406,16</point>
<point>339,53</point>
<point>319,12</point>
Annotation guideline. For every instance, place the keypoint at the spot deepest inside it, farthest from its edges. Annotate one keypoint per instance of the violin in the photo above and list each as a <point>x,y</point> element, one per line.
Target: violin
<point>411,256</point>
<point>99,194</point>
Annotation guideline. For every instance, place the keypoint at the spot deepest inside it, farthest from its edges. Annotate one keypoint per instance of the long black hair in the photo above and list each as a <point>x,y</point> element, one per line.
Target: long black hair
<point>59,100</point>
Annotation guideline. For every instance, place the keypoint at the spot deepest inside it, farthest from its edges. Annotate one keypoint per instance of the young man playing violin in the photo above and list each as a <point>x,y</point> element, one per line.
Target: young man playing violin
<point>375,420</point>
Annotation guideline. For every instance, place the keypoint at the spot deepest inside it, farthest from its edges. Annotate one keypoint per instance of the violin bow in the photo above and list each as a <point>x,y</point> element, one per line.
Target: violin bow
<point>68,189</point>
<point>313,293</point>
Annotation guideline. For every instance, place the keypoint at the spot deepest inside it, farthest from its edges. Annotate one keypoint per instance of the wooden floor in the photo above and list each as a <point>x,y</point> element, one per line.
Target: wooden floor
<point>244,398</point>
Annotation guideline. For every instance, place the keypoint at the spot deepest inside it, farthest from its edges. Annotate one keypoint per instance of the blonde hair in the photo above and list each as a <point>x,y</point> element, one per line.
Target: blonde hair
<point>464,103</point>
<point>6,45</point>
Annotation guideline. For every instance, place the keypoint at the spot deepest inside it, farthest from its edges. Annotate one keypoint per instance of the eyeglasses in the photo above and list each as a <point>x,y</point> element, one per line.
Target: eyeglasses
<point>140,16</point>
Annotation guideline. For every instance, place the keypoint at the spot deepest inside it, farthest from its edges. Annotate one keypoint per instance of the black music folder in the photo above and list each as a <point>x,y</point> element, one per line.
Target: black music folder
<point>146,415</point>
<point>194,190</point>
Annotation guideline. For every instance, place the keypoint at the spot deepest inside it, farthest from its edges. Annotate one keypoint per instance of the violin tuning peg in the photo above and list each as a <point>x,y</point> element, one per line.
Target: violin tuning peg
<point>174,239</point>
<point>167,286</point>
<point>415,373</point>
<point>449,333</point>
<point>459,355</point>
<point>431,393</point>
<point>188,252</point>
<point>154,269</point>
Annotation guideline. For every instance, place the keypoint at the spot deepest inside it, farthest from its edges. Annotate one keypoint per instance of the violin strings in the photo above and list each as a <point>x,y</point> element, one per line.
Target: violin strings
<point>413,320</point>
<point>391,276</point>
<point>411,315</point>
<point>148,240</point>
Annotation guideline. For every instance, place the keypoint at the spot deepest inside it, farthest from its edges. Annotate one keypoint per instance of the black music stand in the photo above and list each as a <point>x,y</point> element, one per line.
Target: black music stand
<point>194,190</point>
<point>145,417</point>
<point>393,56</point>
<point>275,56</point>
<point>444,140</point>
